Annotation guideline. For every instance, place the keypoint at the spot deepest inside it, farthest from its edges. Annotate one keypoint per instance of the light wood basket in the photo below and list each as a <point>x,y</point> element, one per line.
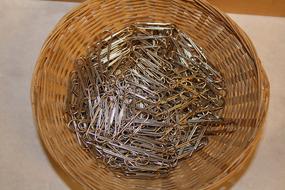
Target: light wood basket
<point>226,46</point>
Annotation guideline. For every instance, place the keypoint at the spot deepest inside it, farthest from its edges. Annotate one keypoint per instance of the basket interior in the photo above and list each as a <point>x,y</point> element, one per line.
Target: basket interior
<point>223,49</point>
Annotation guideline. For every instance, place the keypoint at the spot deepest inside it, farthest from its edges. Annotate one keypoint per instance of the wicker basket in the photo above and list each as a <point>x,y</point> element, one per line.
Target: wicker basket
<point>226,46</point>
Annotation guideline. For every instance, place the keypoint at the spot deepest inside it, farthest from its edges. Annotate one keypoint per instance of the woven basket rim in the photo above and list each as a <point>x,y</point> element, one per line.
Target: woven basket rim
<point>241,36</point>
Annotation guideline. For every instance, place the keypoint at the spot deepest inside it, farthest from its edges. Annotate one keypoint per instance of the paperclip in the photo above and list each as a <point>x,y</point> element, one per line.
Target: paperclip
<point>144,98</point>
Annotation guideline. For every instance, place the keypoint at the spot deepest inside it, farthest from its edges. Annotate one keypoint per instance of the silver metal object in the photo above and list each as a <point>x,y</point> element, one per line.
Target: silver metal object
<point>144,98</point>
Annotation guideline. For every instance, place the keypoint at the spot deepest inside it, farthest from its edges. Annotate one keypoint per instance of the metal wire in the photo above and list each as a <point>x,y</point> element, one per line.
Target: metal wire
<point>143,98</point>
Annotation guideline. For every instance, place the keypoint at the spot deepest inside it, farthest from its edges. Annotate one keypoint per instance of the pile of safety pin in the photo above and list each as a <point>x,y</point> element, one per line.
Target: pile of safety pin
<point>143,98</point>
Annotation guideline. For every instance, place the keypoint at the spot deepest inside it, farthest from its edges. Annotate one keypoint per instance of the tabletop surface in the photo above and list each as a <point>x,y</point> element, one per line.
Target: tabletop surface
<point>25,24</point>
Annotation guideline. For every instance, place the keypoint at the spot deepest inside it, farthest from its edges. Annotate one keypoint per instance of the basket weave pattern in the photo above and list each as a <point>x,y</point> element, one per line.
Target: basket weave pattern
<point>227,47</point>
